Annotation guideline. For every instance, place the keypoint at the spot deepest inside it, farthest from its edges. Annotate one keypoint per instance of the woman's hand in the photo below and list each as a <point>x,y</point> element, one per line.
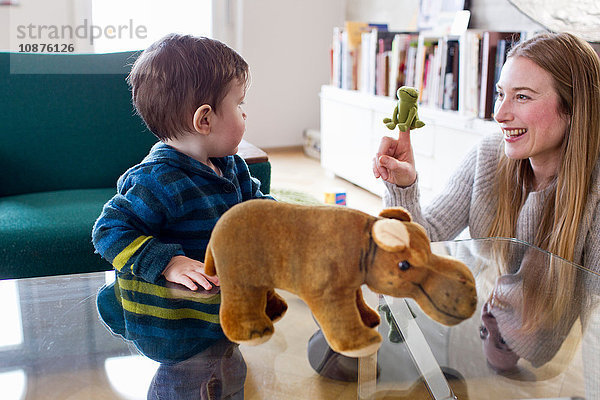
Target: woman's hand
<point>189,272</point>
<point>394,162</point>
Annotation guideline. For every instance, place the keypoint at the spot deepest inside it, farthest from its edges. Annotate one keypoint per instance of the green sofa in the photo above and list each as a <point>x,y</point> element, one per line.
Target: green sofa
<point>68,132</point>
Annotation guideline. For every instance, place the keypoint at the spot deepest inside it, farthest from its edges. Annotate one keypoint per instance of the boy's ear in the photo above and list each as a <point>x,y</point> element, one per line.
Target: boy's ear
<point>202,118</point>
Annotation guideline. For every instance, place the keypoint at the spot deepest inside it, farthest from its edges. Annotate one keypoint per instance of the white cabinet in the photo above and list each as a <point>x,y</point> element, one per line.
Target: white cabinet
<point>352,127</point>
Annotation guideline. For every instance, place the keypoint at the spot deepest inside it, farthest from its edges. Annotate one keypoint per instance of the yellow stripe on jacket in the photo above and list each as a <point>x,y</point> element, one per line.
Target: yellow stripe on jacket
<point>124,256</point>
<point>165,313</point>
<point>167,293</point>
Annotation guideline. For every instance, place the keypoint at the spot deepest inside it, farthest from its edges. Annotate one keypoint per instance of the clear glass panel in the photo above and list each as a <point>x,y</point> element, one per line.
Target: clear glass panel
<point>532,347</point>
<point>130,376</point>
<point>536,321</point>
<point>12,332</point>
<point>13,384</point>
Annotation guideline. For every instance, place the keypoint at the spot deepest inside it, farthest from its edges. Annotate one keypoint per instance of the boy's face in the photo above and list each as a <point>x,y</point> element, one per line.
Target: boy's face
<point>229,123</point>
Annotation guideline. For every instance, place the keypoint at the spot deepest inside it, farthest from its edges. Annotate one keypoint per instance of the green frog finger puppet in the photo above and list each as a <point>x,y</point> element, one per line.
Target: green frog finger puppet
<point>405,113</point>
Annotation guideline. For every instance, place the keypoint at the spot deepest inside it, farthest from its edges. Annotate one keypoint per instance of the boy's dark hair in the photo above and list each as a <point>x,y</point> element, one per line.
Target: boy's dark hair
<point>176,75</point>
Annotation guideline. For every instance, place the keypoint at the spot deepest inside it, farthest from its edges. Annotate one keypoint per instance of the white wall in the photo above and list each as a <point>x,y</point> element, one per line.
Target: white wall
<point>399,15</point>
<point>286,43</point>
<point>42,12</point>
<point>500,15</point>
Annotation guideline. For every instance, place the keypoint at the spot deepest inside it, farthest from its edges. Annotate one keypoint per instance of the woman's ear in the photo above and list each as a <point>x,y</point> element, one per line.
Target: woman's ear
<point>202,118</point>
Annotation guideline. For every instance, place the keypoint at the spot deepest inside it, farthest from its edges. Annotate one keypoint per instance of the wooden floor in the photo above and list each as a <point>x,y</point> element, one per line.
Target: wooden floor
<point>292,169</point>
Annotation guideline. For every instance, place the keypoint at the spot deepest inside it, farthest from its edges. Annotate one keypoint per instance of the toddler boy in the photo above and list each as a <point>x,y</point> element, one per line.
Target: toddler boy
<point>189,91</point>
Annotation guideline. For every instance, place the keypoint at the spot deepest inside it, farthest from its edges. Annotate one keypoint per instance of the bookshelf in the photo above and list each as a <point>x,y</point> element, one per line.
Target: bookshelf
<point>455,73</point>
<point>352,128</point>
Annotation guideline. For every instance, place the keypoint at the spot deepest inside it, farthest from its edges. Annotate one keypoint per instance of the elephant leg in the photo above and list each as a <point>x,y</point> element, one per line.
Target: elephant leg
<point>368,316</point>
<point>342,325</point>
<point>243,317</point>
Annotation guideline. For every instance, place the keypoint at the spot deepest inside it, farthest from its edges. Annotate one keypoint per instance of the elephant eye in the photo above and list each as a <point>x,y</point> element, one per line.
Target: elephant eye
<point>404,265</point>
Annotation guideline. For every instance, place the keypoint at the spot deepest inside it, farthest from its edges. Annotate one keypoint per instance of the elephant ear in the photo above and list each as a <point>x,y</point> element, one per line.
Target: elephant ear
<point>390,234</point>
<point>396,213</point>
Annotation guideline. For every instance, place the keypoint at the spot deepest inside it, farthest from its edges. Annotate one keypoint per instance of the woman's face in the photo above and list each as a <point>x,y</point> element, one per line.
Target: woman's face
<point>496,351</point>
<point>527,109</point>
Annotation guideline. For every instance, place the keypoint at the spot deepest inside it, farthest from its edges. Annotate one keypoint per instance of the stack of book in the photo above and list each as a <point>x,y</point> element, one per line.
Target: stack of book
<point>451,72</point>
<point>372,59</point>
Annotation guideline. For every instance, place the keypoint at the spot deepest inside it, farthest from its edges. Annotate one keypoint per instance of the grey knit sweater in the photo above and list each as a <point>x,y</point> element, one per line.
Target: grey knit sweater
<point>468,202</point>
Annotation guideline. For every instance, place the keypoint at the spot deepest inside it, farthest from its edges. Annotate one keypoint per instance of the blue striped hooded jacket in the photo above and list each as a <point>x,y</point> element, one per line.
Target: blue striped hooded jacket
<point>165,206</point>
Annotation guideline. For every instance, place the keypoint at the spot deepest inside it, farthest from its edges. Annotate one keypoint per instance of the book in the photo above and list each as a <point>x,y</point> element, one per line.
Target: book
<point>365,62</point>
<point>501,52</point>
<point>346,62</point>
<point>398,61</point>
<point>384,48</point>
<point>469,85</point>
<point>451,77</point>
<point>596,47</point>
<point>432,75</point>
<point>489,49</point>
<point>352,47</point>
<point>336,58</point>
<point>411,63</point>
<point>425,49</point>
<point>443,58</point>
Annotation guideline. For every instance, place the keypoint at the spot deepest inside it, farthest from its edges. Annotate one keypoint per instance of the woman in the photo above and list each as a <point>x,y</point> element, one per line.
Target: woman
<point>539,182</point>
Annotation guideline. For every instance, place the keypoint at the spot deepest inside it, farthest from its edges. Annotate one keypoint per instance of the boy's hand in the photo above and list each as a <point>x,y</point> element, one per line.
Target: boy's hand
<point>189,272</point>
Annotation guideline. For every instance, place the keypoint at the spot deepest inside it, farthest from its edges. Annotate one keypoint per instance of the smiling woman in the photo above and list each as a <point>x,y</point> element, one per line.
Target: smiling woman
<point>156,18</point>
<point>532,118</point>
<point>539,182</point>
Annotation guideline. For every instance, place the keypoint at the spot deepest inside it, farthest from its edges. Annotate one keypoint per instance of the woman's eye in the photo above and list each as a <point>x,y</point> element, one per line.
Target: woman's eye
<point>522,97</point>
<point>483,332</point>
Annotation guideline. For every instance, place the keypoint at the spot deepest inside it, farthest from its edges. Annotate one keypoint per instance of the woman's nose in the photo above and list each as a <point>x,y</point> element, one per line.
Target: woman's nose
<point>502,111</point>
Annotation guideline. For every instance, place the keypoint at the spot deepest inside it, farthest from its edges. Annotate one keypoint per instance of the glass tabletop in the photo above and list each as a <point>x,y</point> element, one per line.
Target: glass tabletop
<point>535,333</point>
<point>54,346</point>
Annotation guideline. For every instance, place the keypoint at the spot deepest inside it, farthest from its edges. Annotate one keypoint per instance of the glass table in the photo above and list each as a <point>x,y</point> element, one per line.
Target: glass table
<point>535,333</point>
<point>54,346</point>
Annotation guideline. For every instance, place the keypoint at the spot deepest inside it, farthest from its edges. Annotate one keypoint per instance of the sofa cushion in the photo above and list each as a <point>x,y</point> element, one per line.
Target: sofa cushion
<point>262,172</point>
<point>67,131</point>
<point>50,233</point>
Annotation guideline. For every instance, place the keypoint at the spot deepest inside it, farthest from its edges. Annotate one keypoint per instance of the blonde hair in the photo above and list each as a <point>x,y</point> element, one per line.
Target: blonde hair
<point>575,70</point>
